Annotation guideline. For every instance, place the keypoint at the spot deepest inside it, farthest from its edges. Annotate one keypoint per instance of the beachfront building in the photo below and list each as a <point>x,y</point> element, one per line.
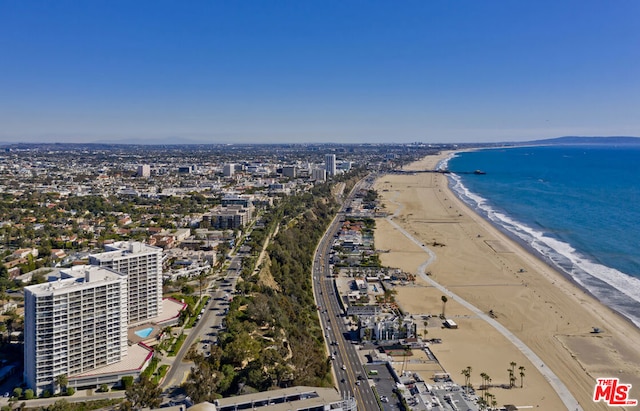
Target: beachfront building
<point>74,324</point>
<point>389,328</point>
<point>143,265</point>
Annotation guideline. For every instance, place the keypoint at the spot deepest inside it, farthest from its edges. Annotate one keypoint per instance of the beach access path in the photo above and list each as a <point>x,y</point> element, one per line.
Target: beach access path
<point>560,388</point>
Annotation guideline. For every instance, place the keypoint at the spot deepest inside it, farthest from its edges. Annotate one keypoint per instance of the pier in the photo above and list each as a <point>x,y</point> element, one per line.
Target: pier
<point>476,172</point>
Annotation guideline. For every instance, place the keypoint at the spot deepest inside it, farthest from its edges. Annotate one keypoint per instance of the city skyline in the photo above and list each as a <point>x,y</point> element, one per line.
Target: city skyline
<point>310,72</point>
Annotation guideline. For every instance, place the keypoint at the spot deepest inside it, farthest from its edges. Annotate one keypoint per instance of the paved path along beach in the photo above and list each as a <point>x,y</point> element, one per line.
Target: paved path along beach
<point>541,321</point>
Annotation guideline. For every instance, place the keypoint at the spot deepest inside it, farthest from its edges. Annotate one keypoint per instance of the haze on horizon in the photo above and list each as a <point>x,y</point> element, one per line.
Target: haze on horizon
<point>311,71</point>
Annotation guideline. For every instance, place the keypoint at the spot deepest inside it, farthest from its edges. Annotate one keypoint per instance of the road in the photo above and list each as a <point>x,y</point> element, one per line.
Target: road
<point>350,375</point>
<point>206,329</point>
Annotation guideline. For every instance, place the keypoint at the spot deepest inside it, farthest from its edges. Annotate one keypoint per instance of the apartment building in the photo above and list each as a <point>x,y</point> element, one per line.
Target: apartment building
<point>330,164</point>
<point>228,217</point>
<point>143,265</point>
<point>74,324</point>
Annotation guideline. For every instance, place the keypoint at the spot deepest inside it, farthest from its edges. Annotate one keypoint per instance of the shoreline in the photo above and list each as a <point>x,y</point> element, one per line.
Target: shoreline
<point>481,270</point>
<point>538,254</point>
<point>542,257</point>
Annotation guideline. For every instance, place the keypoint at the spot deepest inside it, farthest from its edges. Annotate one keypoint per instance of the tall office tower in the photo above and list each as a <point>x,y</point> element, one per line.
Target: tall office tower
<point>74,324</point>
<point>144,170</point>
<point>228,170</point>
<point>330,164</point>
<point>143,265</point>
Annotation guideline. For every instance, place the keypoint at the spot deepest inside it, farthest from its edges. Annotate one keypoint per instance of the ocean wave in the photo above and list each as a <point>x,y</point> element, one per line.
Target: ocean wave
<point>617,290</point>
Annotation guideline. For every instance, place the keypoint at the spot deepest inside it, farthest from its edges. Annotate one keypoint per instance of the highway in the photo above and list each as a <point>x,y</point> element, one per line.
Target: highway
<point>351,378</point>
<point>350,375</point>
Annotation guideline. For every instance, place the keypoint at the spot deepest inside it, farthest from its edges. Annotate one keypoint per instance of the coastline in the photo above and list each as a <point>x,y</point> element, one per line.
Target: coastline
<point>547,311</point>
<point>571,265</point>
<point>543,258</point>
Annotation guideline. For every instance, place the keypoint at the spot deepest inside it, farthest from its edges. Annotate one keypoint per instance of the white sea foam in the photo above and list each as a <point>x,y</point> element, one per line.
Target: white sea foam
<point>614,288</point>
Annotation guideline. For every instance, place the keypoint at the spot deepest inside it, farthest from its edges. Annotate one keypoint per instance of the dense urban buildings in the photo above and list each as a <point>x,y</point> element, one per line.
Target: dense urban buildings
<point>94,215</point>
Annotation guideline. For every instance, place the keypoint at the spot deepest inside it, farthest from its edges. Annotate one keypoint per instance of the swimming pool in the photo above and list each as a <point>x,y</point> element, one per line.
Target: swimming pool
<point>144,333</point>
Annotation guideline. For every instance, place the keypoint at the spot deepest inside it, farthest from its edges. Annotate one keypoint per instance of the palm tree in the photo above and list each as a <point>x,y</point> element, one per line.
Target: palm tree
<point>467,376</point>
<point>521,368</point>
<point>389,295</point>
<point>201,279</point>
<point>486,380</point>
<point>444,302</point>
<point>62,381</point>
<point>494,403</point>
<point>484,377</point>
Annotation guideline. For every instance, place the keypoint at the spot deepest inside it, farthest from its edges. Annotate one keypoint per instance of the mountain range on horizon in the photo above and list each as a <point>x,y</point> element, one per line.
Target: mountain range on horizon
<point>565,140</point>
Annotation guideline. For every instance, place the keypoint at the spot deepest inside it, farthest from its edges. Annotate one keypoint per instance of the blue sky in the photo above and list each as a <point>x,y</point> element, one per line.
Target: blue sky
<point>318,71</point>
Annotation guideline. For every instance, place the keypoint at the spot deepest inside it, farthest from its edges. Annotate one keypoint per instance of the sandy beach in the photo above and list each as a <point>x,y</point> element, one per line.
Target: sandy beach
<point>479,264</point>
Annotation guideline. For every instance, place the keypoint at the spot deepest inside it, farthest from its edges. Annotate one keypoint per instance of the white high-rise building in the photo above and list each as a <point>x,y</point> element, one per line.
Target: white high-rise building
<point>228,170</point>
<point>144,170</point>
<point>143,265</point>
<point>330,164</point>
<point>74,324</point>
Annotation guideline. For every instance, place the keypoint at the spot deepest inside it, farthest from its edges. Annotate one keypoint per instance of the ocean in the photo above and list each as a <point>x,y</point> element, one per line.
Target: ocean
<point>577,207</point>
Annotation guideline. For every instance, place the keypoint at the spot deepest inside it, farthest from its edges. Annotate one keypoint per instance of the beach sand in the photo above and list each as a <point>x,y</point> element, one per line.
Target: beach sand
<point>478,263</point>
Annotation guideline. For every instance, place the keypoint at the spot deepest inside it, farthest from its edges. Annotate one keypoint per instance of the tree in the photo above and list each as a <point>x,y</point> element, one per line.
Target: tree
<point>467,377</point>
<point>521,368</point>
<point>144,394</point>
<point>17,392</point>
<point>60,405</point>
<point>127,382</point>
<point>202,383</point>
<point>512,373</point>
<point>201,279</point>
<point>62,381</point>
<point>3,332</point>
<point>389,295</point>
<point>444,303</point>
<point>486,380</point>
<point>29,394</point>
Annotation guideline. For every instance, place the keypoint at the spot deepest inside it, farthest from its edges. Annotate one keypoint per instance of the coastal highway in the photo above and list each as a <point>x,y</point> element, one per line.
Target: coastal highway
<point>351,378</point>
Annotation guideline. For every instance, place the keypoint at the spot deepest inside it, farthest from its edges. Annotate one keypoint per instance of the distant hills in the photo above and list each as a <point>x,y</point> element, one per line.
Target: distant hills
<point>575,140</point>
<point>181,141</point>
